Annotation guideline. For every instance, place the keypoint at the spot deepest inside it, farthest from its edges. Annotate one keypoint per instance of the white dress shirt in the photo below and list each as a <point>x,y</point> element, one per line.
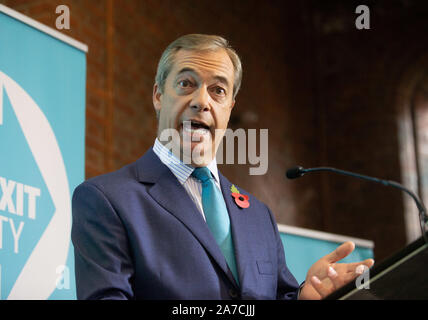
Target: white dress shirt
<point>183,172</point>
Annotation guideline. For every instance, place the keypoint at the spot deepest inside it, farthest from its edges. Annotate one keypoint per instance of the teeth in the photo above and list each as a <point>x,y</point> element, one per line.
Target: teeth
<point>193,130</point>
<point>201,131</point>
<point>194,126</point>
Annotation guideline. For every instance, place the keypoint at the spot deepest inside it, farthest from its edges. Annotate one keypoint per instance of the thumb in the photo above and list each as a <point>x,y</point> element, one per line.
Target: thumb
<point>341,252</point>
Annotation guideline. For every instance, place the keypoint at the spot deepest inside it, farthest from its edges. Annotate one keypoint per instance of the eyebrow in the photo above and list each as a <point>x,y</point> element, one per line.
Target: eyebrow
<point>218,78</point>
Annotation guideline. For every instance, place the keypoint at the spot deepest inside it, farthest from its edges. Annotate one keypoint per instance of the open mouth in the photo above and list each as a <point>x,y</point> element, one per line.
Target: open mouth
<point>195,127</point>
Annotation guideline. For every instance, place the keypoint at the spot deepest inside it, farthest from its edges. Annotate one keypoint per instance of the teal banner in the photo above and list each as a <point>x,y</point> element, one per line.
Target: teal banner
<point>42,136</point>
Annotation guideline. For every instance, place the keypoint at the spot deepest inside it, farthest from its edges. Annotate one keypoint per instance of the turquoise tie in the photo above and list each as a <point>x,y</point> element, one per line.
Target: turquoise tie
<point>216,216</point>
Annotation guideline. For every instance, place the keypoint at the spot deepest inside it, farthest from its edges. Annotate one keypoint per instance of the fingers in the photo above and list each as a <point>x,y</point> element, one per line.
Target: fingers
<point>338,280</point>
<point>321,288</point>
<point>335,279</point>
<point>328,284</point>
<point>352,267</point>
<point>369,263</point>
<point>341,252</point>
<point>326,276</point>
<point>340,276</point>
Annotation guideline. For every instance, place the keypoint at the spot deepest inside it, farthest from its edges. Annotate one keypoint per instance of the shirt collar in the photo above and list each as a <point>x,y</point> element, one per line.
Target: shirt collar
<point>181,170</point>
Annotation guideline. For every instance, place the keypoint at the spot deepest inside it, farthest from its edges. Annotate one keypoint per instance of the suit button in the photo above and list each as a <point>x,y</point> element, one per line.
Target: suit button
<point>233,293</point>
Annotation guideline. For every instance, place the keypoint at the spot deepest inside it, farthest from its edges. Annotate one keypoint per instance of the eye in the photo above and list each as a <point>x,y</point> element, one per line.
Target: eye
<point>185,83</point>
<point>220,91</point>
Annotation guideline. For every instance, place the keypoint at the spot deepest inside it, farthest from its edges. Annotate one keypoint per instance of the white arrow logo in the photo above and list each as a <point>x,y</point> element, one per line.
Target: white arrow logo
<point>38,277</point>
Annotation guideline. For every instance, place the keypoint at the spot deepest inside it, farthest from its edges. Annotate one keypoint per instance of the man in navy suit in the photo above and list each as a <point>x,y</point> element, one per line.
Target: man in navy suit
<point>142,232</point>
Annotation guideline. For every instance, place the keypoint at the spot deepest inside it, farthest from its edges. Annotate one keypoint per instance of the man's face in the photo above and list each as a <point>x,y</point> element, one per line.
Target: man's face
<point>199,93</point>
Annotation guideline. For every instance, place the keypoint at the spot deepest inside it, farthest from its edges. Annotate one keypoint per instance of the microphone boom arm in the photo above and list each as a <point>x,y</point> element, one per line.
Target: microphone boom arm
<point>422,210</point>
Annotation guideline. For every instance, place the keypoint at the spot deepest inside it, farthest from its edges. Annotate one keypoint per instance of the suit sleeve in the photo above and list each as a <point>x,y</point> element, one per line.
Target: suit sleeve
<point>288,286</point>
<point>103,263</point>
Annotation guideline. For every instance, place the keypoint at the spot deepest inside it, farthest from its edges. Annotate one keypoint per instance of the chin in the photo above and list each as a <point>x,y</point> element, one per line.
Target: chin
<point>199,155</point>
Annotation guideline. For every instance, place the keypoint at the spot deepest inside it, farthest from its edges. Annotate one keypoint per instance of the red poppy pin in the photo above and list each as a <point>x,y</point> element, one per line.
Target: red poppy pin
<point>240,199</point>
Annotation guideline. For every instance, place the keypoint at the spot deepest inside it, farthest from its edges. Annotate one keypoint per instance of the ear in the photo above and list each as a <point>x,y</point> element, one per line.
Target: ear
<point>233,104</point>
<point>157,98</point>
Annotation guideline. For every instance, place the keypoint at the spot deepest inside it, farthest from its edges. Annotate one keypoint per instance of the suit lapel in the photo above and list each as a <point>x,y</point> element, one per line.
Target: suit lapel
<point>171,195</point>
<point>244,234</point>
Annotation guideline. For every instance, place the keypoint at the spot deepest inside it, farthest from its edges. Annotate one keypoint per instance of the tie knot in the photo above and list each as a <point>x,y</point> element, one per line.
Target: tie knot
<point>203,174</point>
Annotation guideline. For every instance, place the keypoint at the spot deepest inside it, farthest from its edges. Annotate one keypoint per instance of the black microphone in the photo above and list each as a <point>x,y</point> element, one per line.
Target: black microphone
<point>298,171</point>
<point>295,172</point>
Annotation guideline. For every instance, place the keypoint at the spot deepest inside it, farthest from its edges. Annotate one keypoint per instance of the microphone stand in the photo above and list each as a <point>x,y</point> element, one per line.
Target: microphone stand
<point>297,172</point>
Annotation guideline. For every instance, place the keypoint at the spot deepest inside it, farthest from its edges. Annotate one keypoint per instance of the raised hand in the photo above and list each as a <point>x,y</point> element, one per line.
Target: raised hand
<point>326,275</point>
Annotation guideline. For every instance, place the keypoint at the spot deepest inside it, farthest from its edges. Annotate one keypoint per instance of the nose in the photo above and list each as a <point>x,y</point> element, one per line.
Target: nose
<point>200,100</point>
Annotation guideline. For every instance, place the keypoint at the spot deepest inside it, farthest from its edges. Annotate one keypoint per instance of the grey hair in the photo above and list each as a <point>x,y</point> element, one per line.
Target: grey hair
<point>197,42</point>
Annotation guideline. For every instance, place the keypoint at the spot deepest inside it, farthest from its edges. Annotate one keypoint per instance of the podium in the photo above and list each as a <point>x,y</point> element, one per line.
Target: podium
<point>403,276</point>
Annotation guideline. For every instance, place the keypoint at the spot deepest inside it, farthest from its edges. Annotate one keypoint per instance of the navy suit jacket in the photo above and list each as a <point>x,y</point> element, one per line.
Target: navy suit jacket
<point>138,235</point>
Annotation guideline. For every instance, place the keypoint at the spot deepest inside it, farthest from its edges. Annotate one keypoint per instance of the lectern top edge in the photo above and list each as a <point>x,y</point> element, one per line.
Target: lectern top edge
<point>411,260</point>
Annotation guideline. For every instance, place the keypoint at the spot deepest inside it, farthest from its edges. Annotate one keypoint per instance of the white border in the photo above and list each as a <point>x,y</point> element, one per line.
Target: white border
<point>37,25</point>
<point>324,236</point>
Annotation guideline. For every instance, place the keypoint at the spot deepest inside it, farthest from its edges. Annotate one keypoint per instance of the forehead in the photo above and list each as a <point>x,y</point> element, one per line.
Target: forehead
<point>215,63</point>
